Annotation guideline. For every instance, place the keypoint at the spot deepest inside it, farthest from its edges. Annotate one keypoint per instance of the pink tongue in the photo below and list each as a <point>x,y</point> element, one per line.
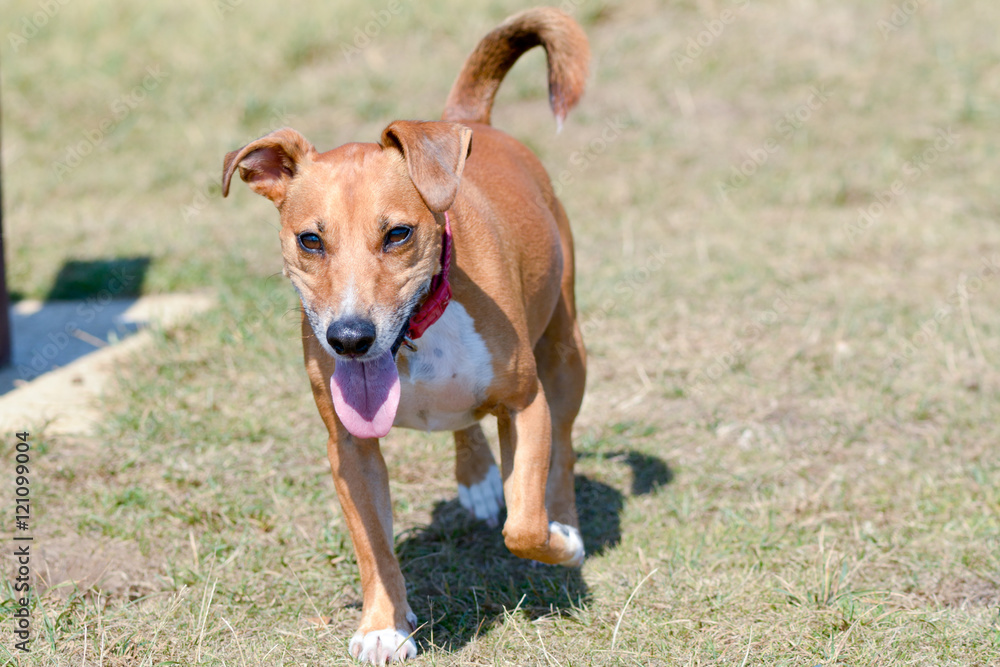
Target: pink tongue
<point>366,395</point>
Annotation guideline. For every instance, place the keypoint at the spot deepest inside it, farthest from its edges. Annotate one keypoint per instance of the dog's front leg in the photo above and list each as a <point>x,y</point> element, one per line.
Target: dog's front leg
<point>362,483</point>
<point>525,447</point>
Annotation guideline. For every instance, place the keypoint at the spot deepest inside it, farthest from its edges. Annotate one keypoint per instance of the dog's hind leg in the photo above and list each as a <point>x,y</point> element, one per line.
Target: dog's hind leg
<point>561,361</point>
<point>525,453</point>
<point>480,489</point>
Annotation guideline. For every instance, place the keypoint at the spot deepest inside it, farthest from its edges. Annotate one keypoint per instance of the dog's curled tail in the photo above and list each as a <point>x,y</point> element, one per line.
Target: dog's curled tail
<point>471,97</point>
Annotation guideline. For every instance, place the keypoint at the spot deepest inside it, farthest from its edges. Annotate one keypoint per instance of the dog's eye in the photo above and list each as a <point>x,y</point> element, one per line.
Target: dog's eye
<point>310,242</point>
<point>397,235</point>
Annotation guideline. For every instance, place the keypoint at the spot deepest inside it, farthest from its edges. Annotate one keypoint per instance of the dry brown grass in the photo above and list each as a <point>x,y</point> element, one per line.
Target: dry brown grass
<point>812,478</point>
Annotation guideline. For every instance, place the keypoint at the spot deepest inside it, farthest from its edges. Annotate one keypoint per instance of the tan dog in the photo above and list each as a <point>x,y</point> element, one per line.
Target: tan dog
<point>419,234</point>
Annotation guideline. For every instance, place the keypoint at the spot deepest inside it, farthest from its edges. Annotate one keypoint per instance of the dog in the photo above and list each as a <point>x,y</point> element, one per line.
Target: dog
<point>436,283</point>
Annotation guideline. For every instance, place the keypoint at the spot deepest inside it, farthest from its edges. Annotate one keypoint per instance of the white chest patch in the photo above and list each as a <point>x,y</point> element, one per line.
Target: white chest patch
<point>448,375</point>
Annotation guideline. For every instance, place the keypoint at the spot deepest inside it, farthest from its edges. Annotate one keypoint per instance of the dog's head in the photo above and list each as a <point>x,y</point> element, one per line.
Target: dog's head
<point>359,233</point>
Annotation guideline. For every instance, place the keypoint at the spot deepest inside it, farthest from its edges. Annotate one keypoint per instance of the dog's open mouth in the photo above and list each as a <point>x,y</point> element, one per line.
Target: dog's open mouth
<point>366,395</point>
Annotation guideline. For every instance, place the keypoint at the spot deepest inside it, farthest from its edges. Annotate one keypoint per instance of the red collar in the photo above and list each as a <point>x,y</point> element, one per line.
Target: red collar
<point>439,294</point>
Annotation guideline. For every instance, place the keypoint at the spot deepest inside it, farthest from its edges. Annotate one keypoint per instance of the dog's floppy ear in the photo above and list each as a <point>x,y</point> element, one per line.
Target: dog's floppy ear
<point>435,155</point>
<point>269,163</point>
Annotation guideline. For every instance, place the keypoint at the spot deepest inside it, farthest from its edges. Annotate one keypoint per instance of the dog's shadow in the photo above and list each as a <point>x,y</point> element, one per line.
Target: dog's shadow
<point>463,580</point>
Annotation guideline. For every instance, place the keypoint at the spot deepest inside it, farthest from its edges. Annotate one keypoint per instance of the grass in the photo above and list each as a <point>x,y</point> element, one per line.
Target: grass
<point>788,446</point>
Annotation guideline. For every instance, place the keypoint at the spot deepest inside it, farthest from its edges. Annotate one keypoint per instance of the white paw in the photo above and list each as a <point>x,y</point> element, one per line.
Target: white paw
<point>574,541</point>
<point>384,646</point>
<point>484,499</point>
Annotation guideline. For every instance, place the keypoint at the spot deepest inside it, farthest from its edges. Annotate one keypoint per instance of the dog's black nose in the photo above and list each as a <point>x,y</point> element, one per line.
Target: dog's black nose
<point>351,336</point>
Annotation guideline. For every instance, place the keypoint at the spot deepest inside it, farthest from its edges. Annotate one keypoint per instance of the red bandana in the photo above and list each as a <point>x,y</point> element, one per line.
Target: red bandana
<point>440,292</point>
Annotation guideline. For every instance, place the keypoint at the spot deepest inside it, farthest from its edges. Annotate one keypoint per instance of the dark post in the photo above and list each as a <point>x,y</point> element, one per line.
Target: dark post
<point>5,338</point>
